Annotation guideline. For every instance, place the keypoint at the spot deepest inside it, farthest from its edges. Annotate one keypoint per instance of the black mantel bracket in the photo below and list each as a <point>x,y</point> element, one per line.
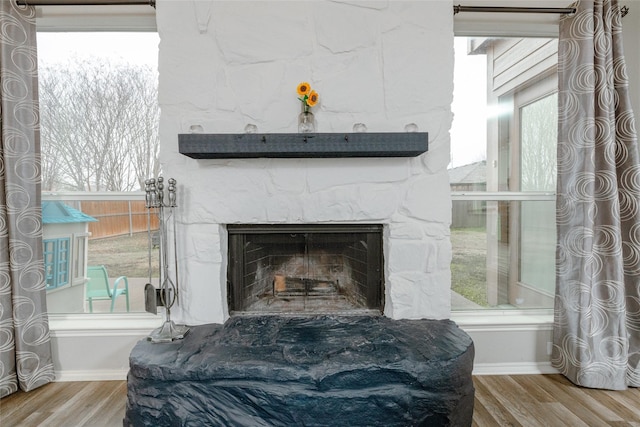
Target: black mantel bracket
<point>302,145</point>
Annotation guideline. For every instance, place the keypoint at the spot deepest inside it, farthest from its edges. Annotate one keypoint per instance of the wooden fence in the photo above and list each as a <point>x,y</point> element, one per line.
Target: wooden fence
<point>117,217</point>
<point>469,214</point>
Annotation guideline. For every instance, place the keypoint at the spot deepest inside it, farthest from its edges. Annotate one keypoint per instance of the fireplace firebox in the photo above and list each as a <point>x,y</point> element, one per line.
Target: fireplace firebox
<point>315,269</point>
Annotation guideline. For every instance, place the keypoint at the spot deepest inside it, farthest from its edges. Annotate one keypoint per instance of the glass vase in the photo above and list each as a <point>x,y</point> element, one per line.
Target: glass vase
<point>306,121</point>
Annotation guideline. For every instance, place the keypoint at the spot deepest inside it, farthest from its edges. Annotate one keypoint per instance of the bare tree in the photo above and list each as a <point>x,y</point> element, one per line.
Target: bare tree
<point>539,135</point>
<point>99,125</point>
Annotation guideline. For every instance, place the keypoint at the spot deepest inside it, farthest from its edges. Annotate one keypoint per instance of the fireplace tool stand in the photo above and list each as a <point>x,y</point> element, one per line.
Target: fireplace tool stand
<point>167,294</point>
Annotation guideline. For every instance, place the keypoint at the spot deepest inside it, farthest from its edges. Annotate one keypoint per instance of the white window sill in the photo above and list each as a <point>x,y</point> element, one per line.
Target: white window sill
<point>107,324</point>
<point>143,323</point>
<point>504,319</point>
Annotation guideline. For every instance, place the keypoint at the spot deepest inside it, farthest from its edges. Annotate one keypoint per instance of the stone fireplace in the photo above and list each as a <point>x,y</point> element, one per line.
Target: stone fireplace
<point>226,64</point>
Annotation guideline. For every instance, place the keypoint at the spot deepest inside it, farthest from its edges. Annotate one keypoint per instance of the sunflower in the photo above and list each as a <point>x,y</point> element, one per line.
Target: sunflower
<point>303,88</point>
<point>312,99</point>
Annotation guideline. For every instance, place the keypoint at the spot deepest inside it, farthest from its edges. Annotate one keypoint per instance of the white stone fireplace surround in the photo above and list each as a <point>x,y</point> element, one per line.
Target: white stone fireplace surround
<point>224,64</point>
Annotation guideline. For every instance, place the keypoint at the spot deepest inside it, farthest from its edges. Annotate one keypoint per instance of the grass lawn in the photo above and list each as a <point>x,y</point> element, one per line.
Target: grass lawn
<point>469,264</point>
<point>124,255</point>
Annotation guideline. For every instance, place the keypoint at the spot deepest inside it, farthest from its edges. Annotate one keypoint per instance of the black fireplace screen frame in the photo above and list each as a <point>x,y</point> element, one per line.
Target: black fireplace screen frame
<point>238,239</point>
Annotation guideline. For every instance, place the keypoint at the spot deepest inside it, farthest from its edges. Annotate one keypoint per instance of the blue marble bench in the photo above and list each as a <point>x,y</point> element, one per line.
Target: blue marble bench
<point>305,371</point>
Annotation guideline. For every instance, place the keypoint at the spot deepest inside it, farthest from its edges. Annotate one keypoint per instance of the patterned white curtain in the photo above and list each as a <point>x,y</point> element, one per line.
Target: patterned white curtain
<point>25,348</point>
<point>597,308</point>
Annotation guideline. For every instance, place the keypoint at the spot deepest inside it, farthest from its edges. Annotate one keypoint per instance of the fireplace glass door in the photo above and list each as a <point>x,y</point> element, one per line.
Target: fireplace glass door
<point>305,269</point>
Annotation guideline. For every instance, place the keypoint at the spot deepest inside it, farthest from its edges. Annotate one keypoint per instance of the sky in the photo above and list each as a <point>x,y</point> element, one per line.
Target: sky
<point>139,48</point>
<point>469,129</point>
<point>468,132</point>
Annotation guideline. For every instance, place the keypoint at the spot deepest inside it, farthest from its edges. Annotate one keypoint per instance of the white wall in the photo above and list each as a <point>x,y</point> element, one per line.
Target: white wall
<point>96,347</point>
<point>505,343</point>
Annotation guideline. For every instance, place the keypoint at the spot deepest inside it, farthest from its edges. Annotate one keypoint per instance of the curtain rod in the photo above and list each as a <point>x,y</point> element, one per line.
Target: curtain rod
<point>456,9</point>
<point>151,3</point>
<point>499,9</point>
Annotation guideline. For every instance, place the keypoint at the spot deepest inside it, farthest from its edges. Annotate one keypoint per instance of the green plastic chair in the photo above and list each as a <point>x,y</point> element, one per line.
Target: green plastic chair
<point>98,287</point>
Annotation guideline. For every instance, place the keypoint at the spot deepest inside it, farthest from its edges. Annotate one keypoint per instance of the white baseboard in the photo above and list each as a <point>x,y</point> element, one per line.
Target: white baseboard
<point>97,375</point>
<point>514,369</point>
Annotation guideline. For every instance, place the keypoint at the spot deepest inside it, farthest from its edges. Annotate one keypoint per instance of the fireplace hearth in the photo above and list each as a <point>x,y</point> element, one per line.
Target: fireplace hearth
<point>281,371</point>
<point>309,269</point>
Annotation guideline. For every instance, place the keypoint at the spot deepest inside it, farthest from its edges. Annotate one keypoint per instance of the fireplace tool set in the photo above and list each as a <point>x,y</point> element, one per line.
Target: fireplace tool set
<point>167,294</point>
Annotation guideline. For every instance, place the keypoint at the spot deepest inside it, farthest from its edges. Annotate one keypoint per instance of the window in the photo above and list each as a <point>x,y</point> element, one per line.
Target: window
<point>503,173</point>
<point>99,141</point>
<point>56,262</point>
<point>80,257</point>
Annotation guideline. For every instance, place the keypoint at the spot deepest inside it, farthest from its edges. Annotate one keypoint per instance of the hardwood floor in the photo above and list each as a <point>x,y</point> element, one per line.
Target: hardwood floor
<point>505,400</point>
<point>551,400</point>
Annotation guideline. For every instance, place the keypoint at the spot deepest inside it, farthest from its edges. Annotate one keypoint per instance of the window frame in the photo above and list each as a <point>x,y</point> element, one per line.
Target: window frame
<point>80,252</point>
<point>57,269</point>
<point>125,18</point>
<point>507,25</point>
<point>532,84</point>
<point>112,18</point>
<point>522,97</point>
